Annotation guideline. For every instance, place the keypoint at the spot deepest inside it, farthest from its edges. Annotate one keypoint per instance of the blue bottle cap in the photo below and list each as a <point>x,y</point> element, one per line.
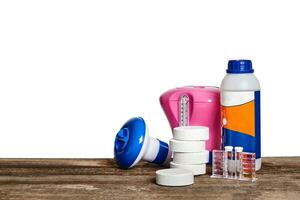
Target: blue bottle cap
<point>239,67</point>
<point>129,141</point>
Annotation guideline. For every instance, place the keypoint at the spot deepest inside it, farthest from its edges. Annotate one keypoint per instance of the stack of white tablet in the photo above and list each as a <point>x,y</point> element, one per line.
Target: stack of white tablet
<point>188,147</point>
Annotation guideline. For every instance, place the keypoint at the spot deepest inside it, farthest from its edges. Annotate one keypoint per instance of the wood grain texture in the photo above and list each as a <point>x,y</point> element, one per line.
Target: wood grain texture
<point>101,179</point>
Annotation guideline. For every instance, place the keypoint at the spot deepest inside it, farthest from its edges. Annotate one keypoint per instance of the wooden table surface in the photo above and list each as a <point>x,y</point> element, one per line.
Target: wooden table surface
<point>101,179</point>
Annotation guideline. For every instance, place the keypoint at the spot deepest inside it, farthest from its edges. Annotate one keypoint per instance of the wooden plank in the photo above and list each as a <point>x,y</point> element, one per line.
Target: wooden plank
<point>101,179</point>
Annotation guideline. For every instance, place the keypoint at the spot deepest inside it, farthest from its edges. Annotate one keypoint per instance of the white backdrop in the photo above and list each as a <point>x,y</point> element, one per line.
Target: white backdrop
<point>72,72</point>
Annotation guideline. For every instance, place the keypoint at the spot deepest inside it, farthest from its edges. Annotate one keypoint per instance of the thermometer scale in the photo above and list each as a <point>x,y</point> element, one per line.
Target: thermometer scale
<point>184,111</point>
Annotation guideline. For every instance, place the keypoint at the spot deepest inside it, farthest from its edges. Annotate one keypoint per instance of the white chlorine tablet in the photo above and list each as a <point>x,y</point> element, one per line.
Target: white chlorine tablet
<point>191,133</point>
<point>186,146</point>
<point>197,169</point>
<point>174,177</point>
<point>191,158</point>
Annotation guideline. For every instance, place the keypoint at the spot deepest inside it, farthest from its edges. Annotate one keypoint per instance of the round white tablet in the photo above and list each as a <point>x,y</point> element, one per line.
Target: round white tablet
<point>191,133</point>
<point>196,169</point>
<point>191,158</point>
<point>186,146</point>
<point>174,177</point>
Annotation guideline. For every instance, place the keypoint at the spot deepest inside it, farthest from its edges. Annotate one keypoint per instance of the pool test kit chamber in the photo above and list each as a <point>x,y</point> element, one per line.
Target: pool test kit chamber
<point>209,126</point>
<point>233,164</point>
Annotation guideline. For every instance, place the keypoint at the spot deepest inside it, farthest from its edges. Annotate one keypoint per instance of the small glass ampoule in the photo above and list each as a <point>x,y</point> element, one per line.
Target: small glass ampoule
<point>229,163</point>
<point>238,154</point>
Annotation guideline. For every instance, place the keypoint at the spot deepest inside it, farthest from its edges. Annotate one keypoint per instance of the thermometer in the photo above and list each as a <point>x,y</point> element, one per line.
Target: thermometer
<point>184,111</point>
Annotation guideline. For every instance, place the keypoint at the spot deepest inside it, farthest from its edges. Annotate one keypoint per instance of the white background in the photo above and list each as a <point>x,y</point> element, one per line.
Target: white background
<point>72,72</point>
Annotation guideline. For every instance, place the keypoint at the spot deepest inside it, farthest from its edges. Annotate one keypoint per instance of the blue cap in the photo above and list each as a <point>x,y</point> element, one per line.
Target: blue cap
<point>239,67</point>
<point>129,141</point>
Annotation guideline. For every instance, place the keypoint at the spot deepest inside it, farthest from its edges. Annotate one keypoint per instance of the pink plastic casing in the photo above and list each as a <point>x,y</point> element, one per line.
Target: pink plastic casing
<point>204,110</point>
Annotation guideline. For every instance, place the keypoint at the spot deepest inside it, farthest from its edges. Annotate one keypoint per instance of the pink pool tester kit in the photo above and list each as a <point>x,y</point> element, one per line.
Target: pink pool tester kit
<point>195,106</point>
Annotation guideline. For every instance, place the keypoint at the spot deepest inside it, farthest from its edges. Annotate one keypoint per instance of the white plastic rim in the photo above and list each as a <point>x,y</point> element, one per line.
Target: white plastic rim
<point>199,169</point>
<point>187,146</point>
<point>174,177</point>
<point>191,133</point>
<point>228,148</point>
<point>238,149</point>
<point>191,158</point>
